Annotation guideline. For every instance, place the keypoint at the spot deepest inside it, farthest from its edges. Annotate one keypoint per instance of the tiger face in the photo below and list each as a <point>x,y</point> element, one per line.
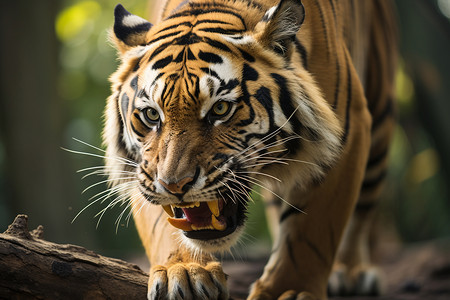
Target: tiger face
<point>208,106</point>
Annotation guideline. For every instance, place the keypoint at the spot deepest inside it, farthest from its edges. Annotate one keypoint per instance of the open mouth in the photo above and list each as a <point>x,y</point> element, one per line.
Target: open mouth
<point>204,220</point>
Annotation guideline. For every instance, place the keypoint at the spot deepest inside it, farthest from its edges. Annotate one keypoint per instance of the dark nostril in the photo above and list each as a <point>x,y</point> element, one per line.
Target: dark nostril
<point>178,187</point>
<point>190,184</point>
<point>182,186</point>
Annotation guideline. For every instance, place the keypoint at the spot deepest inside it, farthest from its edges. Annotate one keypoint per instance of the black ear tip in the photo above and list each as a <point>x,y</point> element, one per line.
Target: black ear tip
<point>120,11</point>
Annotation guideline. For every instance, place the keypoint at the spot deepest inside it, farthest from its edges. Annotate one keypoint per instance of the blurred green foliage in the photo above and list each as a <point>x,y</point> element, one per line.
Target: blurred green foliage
<point>87,59</point>
<point>416,194</point>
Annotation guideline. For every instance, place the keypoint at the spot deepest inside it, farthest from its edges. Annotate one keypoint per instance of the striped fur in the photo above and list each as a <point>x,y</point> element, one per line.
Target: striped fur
<point>308,92</point>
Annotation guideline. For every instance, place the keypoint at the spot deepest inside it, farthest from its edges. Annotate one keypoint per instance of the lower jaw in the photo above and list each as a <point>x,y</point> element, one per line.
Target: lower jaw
<point>207,235</point>
<point>214,246</point>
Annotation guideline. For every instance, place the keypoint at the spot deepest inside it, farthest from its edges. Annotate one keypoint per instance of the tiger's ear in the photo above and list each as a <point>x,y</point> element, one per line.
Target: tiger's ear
<point>129,30</point>
<point>280,24</point>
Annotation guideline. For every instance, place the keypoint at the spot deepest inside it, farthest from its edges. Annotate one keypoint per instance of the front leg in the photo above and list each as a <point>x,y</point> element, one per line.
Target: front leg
<point>176,272</point>
<point>305,246</point>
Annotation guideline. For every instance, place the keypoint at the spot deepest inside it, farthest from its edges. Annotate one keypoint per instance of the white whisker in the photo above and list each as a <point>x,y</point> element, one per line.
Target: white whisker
<point>124,186</point>
<point>119,199</point>
<point>265,163</point>
<point>253,181</point>
<point>105,181</point>
<point>273,144</point>
<point>259,173</point>
<point>84,208</point>
<point>231,190</point>
<point>120,159</point>
<point>101,150</point>
<point>103,173</point>
<point>89,145</point>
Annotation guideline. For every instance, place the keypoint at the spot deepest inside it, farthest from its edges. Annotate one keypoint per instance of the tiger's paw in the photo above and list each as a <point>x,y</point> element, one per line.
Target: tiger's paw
<point>288,295</point>
<point>188,281</point>
<point>260,292</point>
<point>293,295</point>
<point>359,281</point>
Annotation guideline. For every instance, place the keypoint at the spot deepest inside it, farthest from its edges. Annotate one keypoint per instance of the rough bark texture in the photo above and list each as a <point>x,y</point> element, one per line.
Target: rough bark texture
<point>31,268</point>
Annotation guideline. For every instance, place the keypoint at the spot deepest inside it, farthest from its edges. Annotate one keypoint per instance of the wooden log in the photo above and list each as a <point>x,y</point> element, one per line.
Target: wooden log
<point>32,268</point>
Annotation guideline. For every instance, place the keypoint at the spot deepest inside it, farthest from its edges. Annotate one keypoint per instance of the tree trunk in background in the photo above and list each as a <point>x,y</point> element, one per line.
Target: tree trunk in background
<point>37,180</point>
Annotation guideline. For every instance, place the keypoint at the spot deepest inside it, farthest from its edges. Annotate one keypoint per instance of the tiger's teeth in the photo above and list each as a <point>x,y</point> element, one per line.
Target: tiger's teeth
<point>168,210</point>
<point>195,227</point>
<point>216,224</point>
<point>182,224</point>
<point>214,207</point>
<point>188,205</point>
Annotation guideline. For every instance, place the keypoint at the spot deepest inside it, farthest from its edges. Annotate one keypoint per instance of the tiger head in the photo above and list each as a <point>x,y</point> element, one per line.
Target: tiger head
<point>209,103</point>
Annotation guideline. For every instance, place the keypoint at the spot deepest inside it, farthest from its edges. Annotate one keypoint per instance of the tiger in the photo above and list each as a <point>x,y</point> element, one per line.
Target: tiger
<point>218,101</point>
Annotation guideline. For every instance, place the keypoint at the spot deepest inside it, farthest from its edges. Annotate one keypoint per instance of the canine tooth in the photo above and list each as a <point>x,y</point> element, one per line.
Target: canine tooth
<point>214,207</point>
<point>197,204</point>
<point>182,224</point>
<point>168,210</point>
<point>216,224</point>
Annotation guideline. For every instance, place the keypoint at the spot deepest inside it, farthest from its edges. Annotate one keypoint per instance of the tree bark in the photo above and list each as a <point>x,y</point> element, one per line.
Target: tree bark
<point>32,268</point>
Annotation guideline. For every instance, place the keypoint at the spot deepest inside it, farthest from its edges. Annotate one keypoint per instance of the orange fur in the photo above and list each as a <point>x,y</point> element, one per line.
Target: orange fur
<point>319,105</point>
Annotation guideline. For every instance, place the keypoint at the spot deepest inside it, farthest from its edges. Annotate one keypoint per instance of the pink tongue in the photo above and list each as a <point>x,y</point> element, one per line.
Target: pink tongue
<point>198,215</point>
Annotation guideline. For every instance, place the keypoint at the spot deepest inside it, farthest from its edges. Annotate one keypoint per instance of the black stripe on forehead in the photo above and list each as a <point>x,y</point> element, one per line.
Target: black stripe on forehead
<point>221,30</point>
<point>216,44</point>
<point>160,49</point>
<point>210,84</point>
<point>177,25</point>
<point>203,11</point>
<point>163,62</point>
<point>246,55</point>
<point>165,36</point>
<point>180,57</point>
<point>186,52</point>
<point>167,92</point>
<point>211,72</point>
<point>189,24</point>
<point>192,83</point>
<point>227,86</point>
<point>210,57</point>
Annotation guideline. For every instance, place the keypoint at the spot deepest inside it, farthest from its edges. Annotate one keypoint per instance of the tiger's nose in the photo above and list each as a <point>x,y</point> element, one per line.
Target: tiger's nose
<point>178,188</point>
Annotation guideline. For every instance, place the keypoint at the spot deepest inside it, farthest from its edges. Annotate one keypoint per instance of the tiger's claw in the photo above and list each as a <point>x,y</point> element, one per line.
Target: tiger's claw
<point>188,281</point>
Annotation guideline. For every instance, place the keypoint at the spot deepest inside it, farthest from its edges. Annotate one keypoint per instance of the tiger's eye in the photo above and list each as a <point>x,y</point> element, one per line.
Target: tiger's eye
<point>221,108</point>
<point>151,114</point>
